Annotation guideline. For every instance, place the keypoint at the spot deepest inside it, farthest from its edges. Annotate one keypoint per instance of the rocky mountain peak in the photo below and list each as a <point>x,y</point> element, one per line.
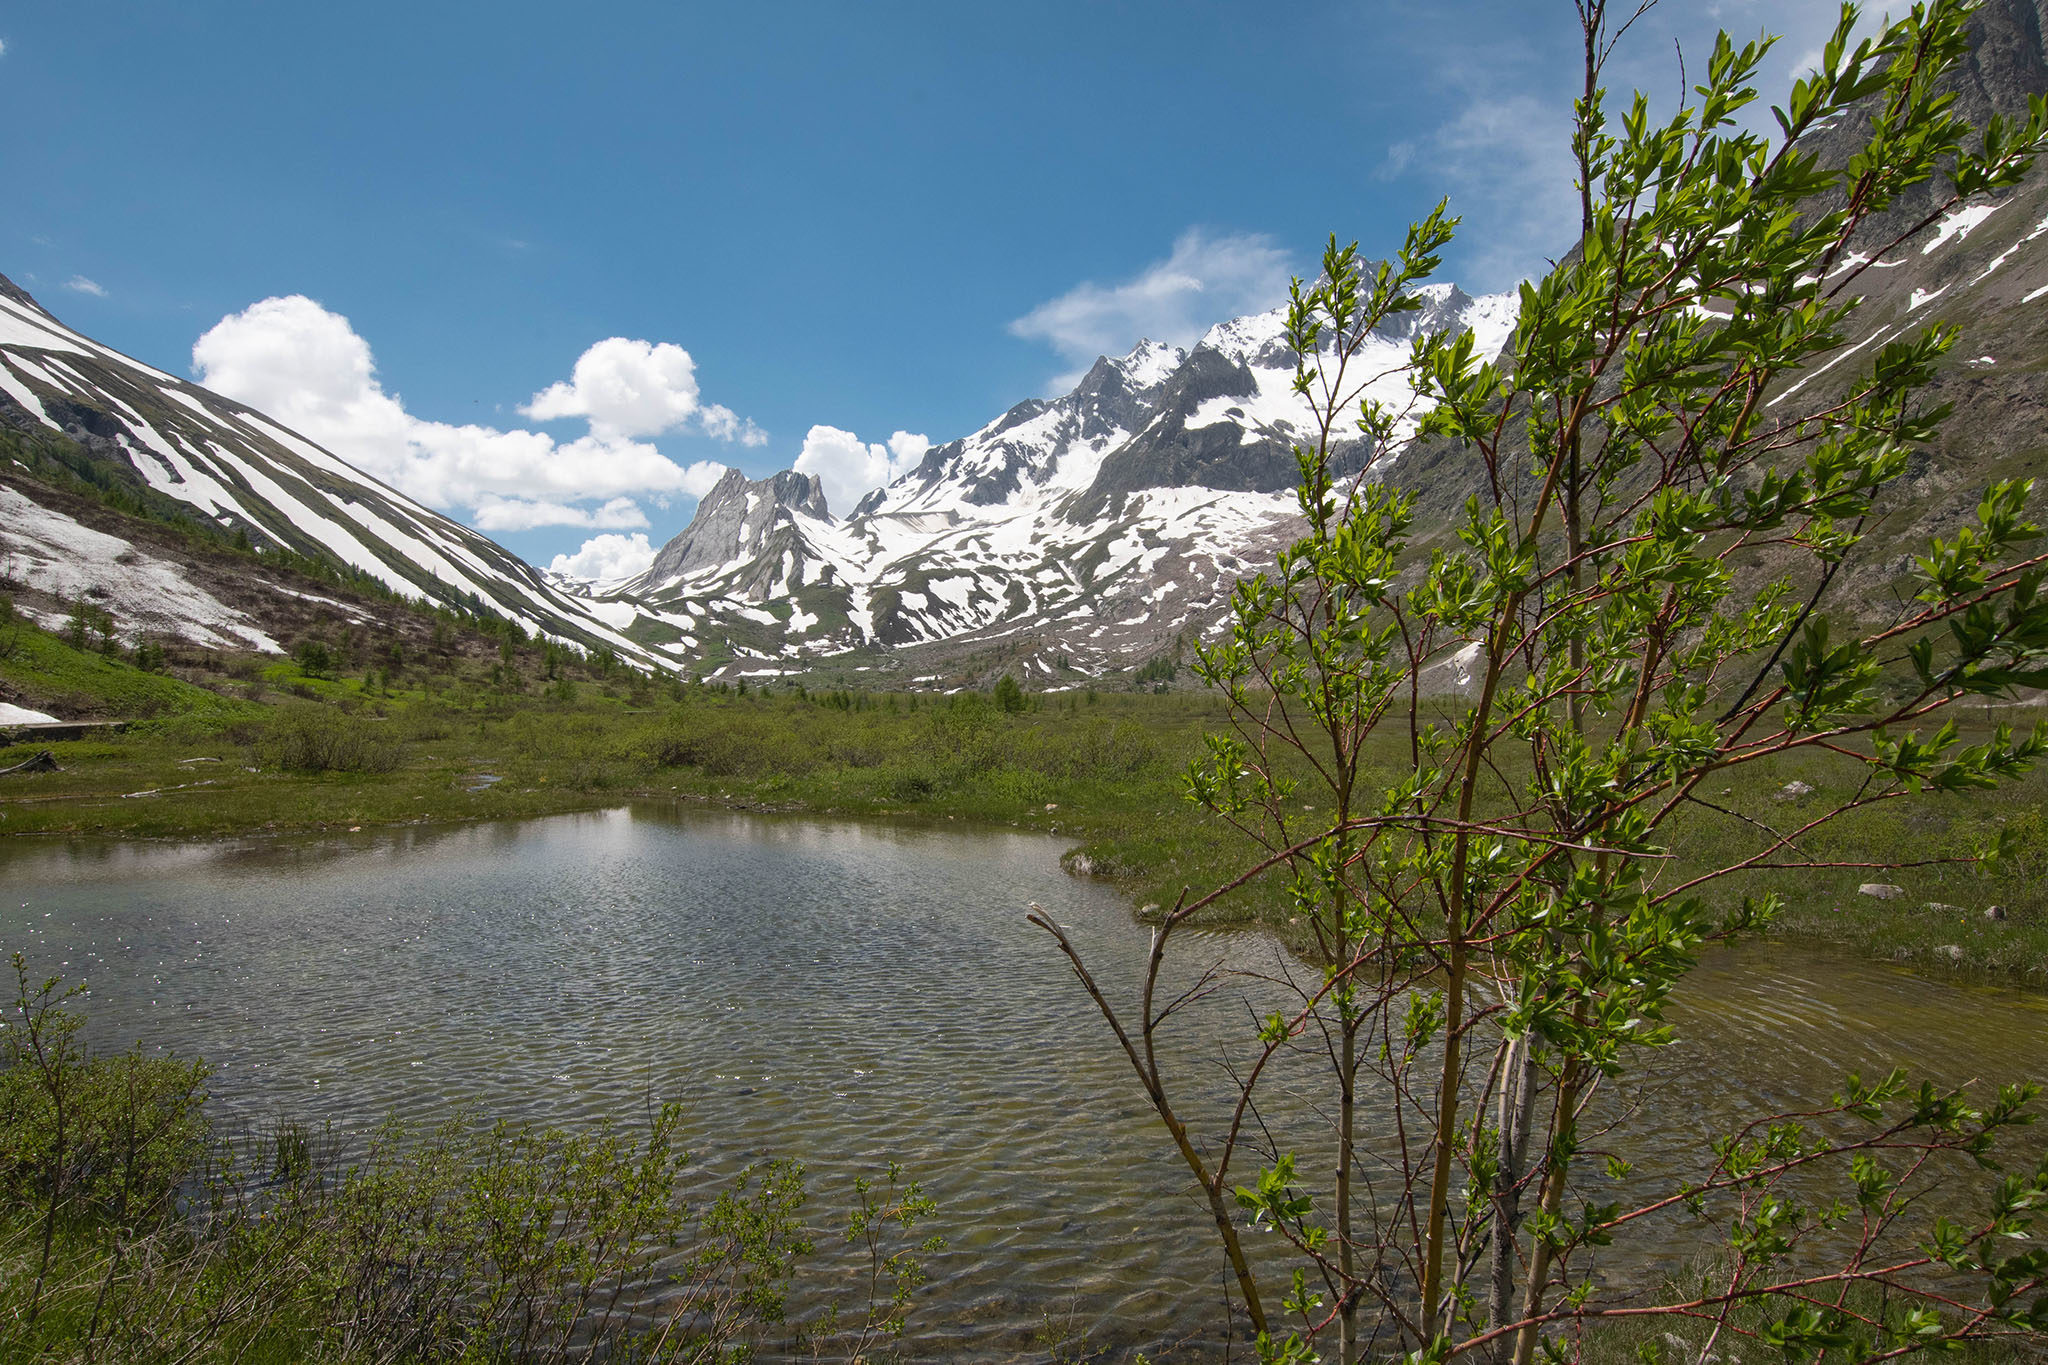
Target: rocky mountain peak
<point>1150,362</point>
<point>1040,446</point>
<point>785,490</point>
<point>10,290</point>
<point>734,522</point>
<point>1256,339</point>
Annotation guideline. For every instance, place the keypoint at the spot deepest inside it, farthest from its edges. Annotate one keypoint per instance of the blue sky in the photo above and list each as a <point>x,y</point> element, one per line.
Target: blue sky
<point>880,219</point>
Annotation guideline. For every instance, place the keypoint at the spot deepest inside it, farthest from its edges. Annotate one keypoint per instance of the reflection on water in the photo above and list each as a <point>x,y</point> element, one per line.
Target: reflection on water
<point>844,994</point>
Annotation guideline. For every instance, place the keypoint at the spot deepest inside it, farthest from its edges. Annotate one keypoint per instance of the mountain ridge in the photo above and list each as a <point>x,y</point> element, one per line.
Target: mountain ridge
<point>1071,537</point>
<point>241,472</point>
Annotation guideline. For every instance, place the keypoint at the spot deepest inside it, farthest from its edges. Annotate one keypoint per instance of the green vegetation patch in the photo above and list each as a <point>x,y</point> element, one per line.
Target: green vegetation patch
<point>45,672</point>
<point>130,1230</point>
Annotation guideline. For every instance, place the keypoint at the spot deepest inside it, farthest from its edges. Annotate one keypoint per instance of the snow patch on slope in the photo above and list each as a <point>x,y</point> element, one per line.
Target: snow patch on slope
<point>54,554</point>
<point>1958,225</point>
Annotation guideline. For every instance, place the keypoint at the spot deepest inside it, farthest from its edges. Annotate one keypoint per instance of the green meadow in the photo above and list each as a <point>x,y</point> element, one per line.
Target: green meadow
<point>235,746</point>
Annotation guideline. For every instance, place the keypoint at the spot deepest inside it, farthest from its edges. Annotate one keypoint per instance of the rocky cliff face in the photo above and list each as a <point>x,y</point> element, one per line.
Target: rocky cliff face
<point>735,523</point>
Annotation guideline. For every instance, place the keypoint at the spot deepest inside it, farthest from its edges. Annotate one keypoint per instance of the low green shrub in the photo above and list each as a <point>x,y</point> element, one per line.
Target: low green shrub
<point>128,1233</point>
<point>968,733</point>
<point>597,774</point>
<point>732,741</point>
<point>1100,748</point>
<point>1016,786</point>
<point>425,722</point>
<point>322,739</point>
<point>911,785</point>
<point>113,1133</point>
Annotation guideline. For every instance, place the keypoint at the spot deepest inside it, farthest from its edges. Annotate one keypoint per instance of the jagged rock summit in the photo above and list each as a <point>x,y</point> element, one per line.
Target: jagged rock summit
<point>735,521</point>
<point>1068,538</point>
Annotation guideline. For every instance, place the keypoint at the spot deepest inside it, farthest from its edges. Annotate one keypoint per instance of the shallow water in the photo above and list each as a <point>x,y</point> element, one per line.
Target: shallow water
<point>841,993</point>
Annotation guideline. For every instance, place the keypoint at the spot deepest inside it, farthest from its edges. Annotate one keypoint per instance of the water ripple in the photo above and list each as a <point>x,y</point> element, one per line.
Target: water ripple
<point>843,994</point>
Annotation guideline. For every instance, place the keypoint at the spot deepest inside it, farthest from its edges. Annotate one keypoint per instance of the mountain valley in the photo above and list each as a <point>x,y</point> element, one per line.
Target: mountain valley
<point>1073,540</point>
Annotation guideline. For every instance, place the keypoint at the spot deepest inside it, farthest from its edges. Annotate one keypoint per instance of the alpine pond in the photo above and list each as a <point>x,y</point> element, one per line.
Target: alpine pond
<point>845,994</point>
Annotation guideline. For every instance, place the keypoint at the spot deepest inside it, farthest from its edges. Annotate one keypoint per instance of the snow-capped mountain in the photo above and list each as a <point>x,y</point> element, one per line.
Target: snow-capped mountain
<point>1068,537</point>
<point>241,471</point>
<point>1105,528</point>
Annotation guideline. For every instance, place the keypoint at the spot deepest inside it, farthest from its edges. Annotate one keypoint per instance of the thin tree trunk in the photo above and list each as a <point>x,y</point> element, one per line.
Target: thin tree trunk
<point>1507,1207</point>
<point>1517,1103</point>
<point>1437,1211</point>
<point>1553,1200</point>
<point>1347,1112</point>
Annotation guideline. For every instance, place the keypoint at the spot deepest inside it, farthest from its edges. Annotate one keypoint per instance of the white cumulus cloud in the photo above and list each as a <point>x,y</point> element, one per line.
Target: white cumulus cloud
<point>850,468</point>
<point>604,559</point>
<point>79,284</point>
<point>1206,280</point>
<point>699,478</point>
<point>524,514</point>
<point>625,388</point>
<point>305,366</point>
<point>725,424</point>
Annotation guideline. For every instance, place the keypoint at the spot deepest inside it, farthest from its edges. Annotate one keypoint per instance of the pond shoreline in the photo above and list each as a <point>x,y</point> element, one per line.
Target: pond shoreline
<point>1877,931</point>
